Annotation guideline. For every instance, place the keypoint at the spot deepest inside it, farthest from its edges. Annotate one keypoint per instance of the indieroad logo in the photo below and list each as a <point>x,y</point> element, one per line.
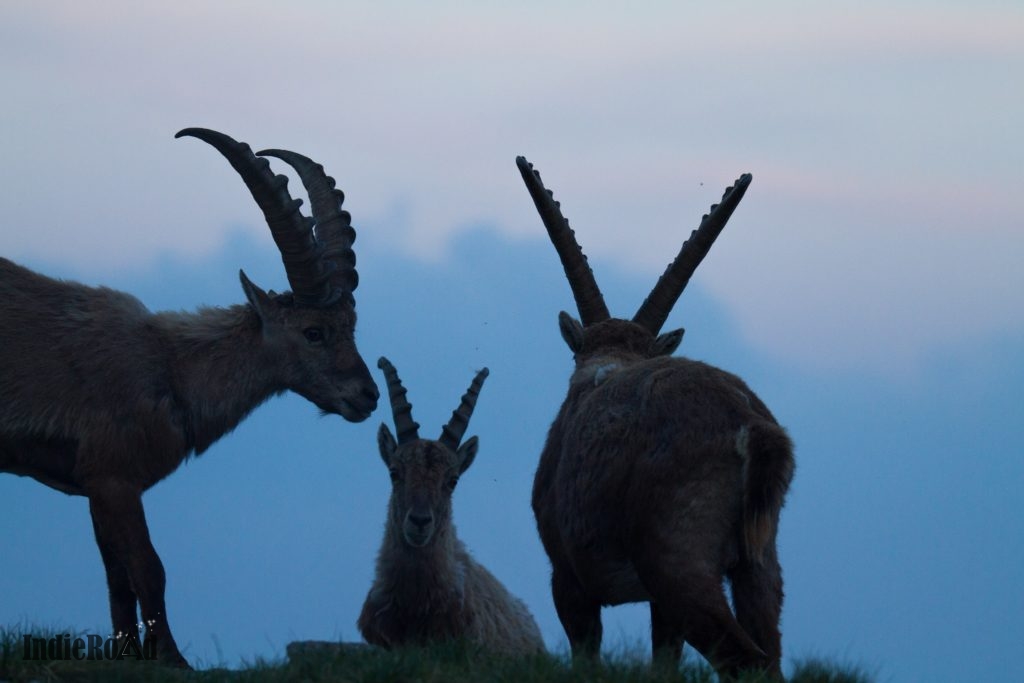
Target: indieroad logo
<point>88,647</point>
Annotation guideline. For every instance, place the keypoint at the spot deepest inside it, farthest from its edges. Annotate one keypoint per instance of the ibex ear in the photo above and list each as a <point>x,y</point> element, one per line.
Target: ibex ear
<point>667,343</point>
<point>466,453</point>
<point>386,443</point>
<point>572,331</point>
<point>258,299</point>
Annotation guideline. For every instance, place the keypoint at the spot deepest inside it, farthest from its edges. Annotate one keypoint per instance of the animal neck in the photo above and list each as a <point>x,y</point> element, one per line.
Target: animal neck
<point>219,372</point>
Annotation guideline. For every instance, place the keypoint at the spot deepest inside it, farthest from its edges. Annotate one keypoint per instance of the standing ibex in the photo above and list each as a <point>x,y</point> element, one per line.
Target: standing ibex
<point>101,398</point>
<point>660,476</point>
<point>427,586</point>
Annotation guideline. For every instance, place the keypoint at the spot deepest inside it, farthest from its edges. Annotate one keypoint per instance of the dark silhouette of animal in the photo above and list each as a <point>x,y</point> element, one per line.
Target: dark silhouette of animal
<point>102,398</point>
<point>428,587</point>
<point>660,476</point>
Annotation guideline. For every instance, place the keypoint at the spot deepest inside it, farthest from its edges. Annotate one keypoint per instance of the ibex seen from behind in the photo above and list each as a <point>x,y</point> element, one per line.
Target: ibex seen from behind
<point>660,476</point>
<point>102,398</point>
<point>428,588</point>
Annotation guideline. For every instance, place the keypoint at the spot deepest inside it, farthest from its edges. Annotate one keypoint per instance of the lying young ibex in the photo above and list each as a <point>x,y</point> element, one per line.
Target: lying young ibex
<point>660,476</point>
<point>427,586</point>
<point>103,399</point>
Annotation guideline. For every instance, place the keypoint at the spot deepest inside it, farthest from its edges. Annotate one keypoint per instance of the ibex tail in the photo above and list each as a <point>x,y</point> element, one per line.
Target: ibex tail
<point>769,465</point>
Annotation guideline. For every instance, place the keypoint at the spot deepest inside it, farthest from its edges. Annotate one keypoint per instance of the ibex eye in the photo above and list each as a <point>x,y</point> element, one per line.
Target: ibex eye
<point>314,335</point>
<point>395,476</point>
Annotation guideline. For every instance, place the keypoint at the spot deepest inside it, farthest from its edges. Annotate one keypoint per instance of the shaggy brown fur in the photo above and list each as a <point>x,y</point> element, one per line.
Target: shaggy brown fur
<point>660,476</point>
<point>428,587</point>
<point>102,398</point>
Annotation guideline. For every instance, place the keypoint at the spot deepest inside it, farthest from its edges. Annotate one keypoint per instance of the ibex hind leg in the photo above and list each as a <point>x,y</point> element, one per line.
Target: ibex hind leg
<point>696,603</point>
<point>666,638</point>
<point>757,595</point>
<point>121,532</point>
<point>580,615</point>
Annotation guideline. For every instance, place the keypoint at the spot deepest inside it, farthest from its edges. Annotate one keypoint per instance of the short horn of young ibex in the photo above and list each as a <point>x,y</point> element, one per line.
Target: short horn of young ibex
<point>660,476</point>
<point>428,588</point>
<point>103,399</point>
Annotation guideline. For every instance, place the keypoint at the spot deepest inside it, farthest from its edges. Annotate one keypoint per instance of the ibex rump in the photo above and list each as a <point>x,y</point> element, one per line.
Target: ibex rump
<point>660,476</point>
<point>101,398</point>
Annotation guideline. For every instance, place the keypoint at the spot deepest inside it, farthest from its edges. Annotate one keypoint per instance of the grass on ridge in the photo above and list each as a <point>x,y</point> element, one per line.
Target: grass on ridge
<point>450,663</point>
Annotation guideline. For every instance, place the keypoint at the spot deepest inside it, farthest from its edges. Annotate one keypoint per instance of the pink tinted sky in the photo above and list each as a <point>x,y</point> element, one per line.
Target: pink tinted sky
<point>884,140</point>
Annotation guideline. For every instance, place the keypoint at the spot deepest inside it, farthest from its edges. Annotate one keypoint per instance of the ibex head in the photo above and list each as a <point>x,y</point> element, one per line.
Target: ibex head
<point>309,332</point>
<point>597,333</point>
<point>424,472</point>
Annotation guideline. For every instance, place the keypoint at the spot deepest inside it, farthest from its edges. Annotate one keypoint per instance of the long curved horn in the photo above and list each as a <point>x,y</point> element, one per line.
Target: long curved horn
<point>333,224</point>
<point>589,300</point>
<point>452,433</point>
<point>401,409</point>
<point>656,307</point>
<point>307,272</point>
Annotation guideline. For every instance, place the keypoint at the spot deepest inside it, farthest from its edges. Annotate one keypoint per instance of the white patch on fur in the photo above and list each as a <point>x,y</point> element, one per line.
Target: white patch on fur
<point>459,581</point>
<point>602,372</point>
<point>746,397</point>
<point>743,443</point>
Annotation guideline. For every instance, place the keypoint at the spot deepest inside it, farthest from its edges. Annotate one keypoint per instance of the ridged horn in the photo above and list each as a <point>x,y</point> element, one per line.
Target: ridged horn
<point>452,433</point>
<point>658,304</point>
<point>407,429</point>
<point>308,274</point>
<point>333,224</point>
<point>589,300</point>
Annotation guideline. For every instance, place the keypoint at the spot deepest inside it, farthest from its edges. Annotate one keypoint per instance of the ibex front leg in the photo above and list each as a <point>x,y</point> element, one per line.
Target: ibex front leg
<point>580,615</point>
<point>123,601</point>
<point>123,537</point>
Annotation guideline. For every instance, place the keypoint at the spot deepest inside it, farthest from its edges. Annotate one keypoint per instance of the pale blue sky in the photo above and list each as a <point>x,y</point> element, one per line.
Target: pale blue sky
<point>868,288</point>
